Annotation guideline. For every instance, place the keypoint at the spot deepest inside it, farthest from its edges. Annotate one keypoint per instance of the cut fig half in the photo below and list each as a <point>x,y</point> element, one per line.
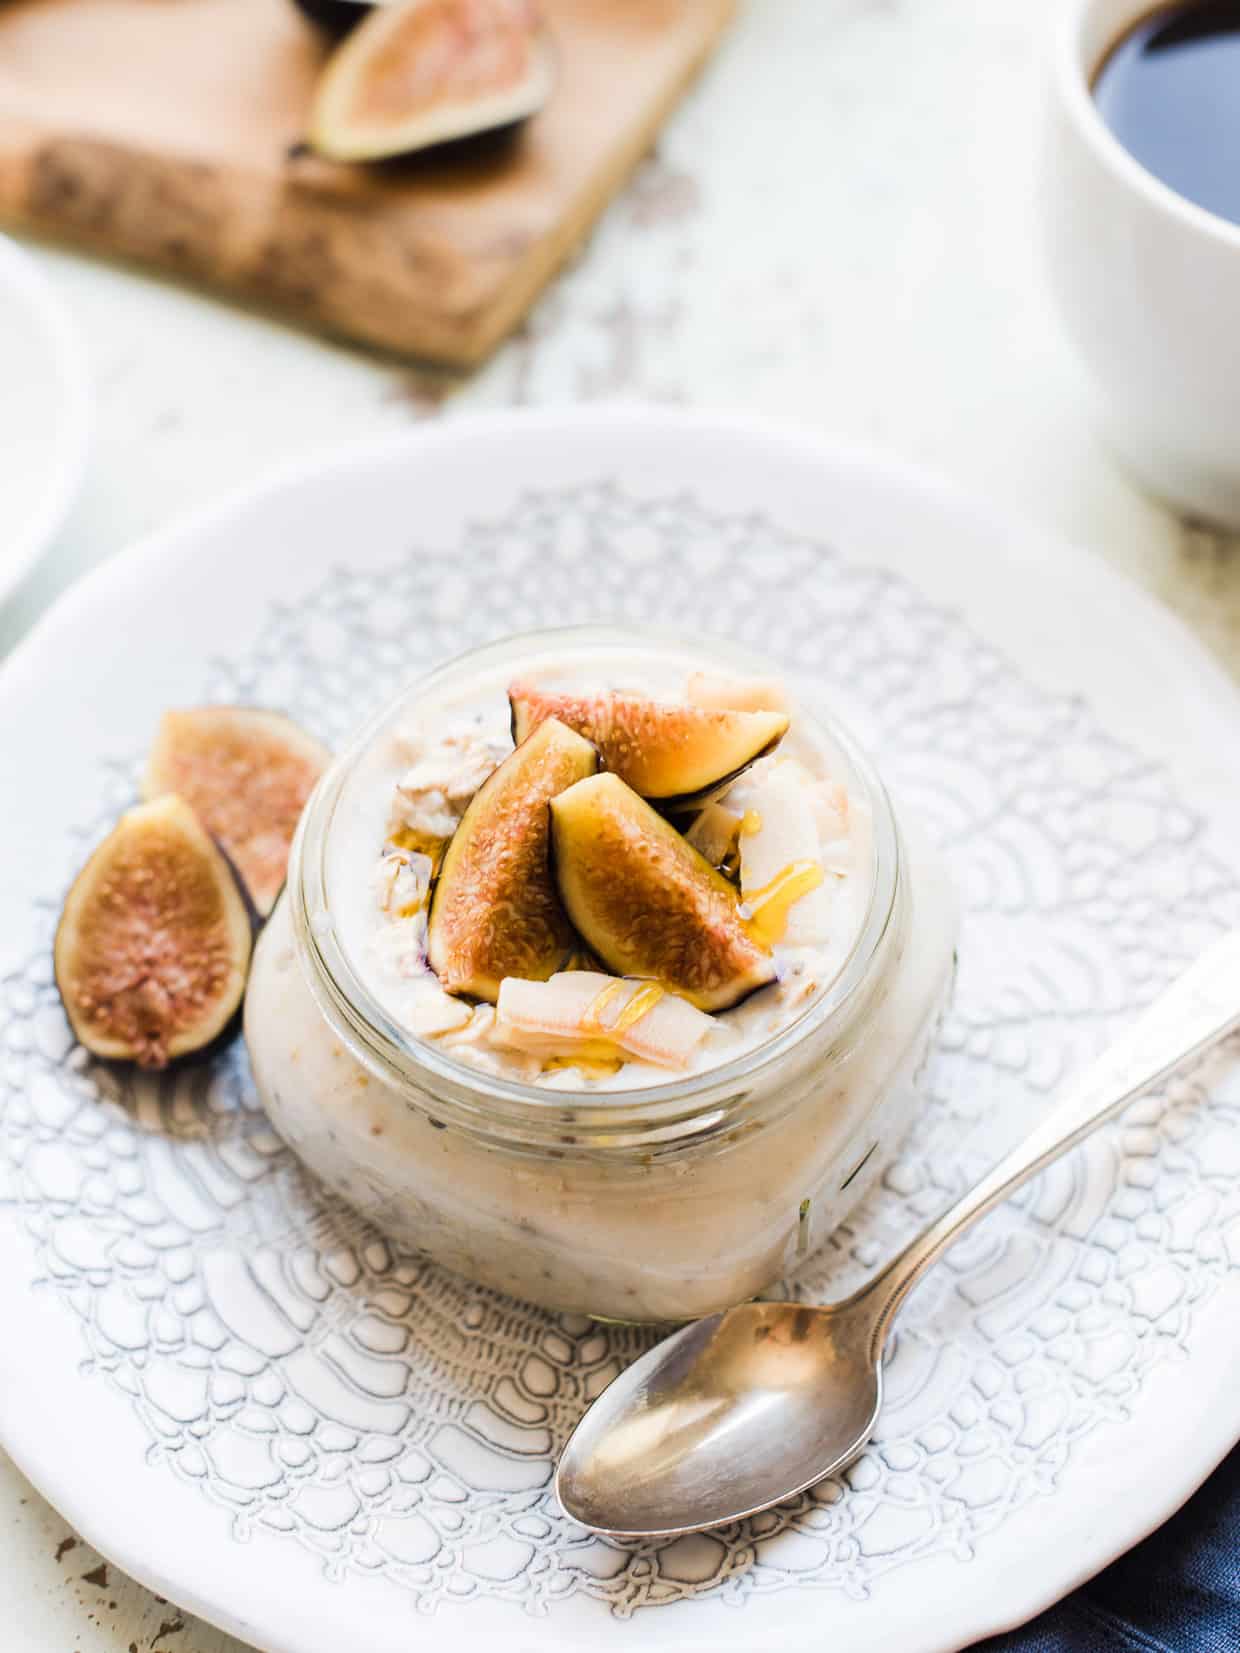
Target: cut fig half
<point>247,773</point>
<point>646,902</point>
<point>495,912</point>
<point>423,72</point>
<point>675,754</point>
<point>153,945</point>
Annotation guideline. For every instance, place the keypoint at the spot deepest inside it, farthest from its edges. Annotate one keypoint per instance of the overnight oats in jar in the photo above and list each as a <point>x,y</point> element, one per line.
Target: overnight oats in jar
<point>604,974</point>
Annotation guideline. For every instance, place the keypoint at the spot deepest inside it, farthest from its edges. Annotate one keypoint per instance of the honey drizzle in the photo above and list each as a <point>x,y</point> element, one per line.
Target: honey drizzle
<point>769,907</point>
<point>751,822</point>
<point>641,1004</point>
<point>593,1067</point>
<point>592,1020</point>
<point>420,843</point>
<point>602,1054</point>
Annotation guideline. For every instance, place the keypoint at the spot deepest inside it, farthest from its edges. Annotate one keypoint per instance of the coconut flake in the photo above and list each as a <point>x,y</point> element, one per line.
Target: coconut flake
<point>578,1011</point>
<point>713,832</point>
<point>403,882</point>
<point>434,792</point>
<point>435,1013</point>
<point>786,834</point>
<point>400,946</point>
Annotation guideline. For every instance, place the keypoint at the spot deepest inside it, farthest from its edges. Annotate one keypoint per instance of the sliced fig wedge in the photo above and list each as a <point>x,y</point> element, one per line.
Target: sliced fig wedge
<point>248,774</point>
<point>153,946</point>
<point>676,754</point>
<point>646,902</point>
<point>495,911</point>
<point>424,72</point>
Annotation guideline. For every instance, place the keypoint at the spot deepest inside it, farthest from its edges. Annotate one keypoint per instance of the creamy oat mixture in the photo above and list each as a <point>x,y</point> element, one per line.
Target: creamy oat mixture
<point>793,830</point>
<point>652,1223</point>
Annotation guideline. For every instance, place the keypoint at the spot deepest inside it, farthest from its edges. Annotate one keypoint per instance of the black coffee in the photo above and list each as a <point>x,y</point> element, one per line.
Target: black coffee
<point>1170,92</point>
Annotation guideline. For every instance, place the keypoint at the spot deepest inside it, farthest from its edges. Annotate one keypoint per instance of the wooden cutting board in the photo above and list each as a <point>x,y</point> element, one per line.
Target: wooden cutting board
<point>167,131</point>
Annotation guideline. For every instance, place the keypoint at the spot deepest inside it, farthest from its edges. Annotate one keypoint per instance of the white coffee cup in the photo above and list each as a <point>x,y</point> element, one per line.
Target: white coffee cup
<point>1148,285</point>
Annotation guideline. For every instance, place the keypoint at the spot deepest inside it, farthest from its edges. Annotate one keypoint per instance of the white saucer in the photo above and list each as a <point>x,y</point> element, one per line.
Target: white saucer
<point>242,1397</point>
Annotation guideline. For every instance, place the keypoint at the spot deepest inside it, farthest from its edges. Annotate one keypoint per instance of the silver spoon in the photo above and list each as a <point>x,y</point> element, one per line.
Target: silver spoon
<point>741,1410</point>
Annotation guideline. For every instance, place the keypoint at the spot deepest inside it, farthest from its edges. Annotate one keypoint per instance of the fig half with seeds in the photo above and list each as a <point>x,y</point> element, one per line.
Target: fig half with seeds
<point>676,754</point>
<point>495,912</point>
<point>248,774</point>
<point>423,72</point>
<point>153,945</point>
<point>646,902</point>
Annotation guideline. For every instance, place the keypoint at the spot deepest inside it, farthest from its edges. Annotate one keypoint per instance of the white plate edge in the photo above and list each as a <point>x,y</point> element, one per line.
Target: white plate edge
<point>1071,563</point>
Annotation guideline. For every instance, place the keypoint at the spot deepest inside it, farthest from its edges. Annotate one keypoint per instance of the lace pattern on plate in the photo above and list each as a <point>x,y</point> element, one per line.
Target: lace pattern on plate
<point>398,1421</point>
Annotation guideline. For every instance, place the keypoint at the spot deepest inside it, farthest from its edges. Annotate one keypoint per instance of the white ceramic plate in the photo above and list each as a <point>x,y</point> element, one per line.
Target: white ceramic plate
<point>44,405</point>
<point>244,1398</point>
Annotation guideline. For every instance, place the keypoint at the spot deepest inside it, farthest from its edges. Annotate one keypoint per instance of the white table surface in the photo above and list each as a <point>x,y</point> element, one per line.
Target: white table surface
<point>838,227</point>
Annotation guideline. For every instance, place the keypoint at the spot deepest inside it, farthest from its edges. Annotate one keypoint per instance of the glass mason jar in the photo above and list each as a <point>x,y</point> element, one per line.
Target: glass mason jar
<point>658,1203</point>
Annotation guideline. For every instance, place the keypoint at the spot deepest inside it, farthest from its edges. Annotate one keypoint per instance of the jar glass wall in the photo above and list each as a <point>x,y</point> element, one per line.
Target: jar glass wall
<point>659,1203</point>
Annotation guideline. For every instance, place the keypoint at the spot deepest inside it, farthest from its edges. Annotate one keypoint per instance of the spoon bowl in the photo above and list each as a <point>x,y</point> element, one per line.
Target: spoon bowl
<point>723,1418</point>
<point>741,1410</point>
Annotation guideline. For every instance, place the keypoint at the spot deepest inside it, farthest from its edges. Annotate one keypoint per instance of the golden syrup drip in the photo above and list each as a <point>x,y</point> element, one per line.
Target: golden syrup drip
<point>420,843</point>
<point>751,822</point>
<point>602,1054</point>
<point>592,1067</point>
<point>592,1020</point>
<point>769,907</point>
<point>641,1004</point>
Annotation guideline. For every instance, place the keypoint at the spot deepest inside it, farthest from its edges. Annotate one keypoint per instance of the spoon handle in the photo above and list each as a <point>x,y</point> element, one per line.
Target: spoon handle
<point>1196,1011</point>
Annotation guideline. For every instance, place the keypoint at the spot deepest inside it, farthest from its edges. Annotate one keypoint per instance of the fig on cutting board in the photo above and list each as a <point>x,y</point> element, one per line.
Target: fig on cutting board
<point>248,774</point>
<point>495,912</point>
<point>423,72</point>
<point>646,902</point>
<point>676,754</point>
<point>153,945</point>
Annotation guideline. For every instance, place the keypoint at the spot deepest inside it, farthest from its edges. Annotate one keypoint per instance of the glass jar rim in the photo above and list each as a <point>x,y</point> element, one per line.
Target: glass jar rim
<point>396,1055</point>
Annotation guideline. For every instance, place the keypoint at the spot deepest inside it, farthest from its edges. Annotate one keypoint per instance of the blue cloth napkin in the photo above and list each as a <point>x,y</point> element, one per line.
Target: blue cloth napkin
<point>1177,1592</point>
